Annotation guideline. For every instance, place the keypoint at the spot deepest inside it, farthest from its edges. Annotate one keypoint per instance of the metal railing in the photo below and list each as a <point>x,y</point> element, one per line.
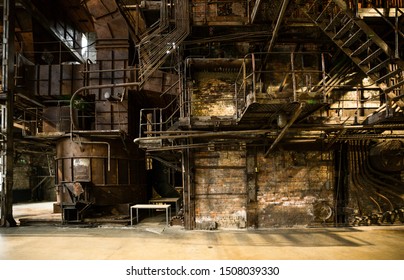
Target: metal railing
<point>245,84</point>
<point>153,121</point>
<point>296,78</point>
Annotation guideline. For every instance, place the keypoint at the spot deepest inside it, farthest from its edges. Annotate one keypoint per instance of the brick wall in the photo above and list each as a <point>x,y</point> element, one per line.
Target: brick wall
<point>213,94</point>
<point>291,185</point>
<point>285,189</point>
<point>220,189</point>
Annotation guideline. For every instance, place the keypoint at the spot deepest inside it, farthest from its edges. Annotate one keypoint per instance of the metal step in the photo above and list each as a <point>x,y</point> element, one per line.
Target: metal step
<point>330,4</point>
<point>337,19</point>
<point>344,29</point>
<point>371,57</point>
<point>378,67</point>
<point>389,75</point>
<point>354,38</point>
<point>362,48</point>
<point>393,87</point>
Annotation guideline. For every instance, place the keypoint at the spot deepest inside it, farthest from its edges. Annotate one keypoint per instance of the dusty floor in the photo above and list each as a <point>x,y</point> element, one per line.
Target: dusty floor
<point>152,240</point>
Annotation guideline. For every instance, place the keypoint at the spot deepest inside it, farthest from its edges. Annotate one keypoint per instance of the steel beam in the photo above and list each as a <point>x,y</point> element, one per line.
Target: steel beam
<point>277,25</point>
<point>7,148</point>
<point>254,11</point>
<point>280,136</point>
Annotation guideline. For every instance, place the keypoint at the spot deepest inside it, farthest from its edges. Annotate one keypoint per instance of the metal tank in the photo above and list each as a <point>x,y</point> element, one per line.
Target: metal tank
<point>93,173</point>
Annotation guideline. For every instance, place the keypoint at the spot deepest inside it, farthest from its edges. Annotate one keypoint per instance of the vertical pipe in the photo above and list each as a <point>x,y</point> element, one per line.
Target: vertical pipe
<point>161,119</point>
<point>188,203</point>
<point>324,77</point>
<point>149,122</point>
<point>292,63</point>
<point>137,31</point>
<point>341,157</point>
<point>236,98</point>
<point>7,218</point>
<point>245,82</point>
<point>154,118</point>
<point>140,122</point>
<point>358,97</point>
<point>396,53</point>
<point>253,77</point>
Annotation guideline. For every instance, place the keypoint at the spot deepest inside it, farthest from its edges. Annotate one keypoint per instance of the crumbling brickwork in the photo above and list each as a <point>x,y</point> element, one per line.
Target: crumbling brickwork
<point>290,185</point>
<point>220,189</point>
<point>213,94</point>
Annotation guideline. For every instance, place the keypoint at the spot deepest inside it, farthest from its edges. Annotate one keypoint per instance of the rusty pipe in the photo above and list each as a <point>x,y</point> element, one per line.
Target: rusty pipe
<point>95,87</point>
<point>97,142</point>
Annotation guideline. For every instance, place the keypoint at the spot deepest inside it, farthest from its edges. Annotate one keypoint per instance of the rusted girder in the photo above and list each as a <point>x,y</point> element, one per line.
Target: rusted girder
<point>280,136</point>
<point>7,147</point>
<point>255,10</point>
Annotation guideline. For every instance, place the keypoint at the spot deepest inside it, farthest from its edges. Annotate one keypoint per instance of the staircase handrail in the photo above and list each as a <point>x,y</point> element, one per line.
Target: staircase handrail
<point>157,113</point>
<point>375,38</point>
<point>152,54</point>
<point>241,90</point>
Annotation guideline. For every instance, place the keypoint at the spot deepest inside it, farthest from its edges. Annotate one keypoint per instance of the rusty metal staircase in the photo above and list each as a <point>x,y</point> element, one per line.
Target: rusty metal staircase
<point>364,47</point>
<point>162,38</point>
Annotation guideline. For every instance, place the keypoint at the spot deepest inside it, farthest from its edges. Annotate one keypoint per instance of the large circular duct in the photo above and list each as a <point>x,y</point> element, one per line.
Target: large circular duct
<point>388,156</point>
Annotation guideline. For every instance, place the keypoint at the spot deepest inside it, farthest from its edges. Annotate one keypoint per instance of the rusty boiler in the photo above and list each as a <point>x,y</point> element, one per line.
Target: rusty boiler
<point>93,173</point>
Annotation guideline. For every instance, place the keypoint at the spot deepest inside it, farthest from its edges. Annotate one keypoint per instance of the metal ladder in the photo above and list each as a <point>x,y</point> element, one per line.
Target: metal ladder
<point>365,48</point>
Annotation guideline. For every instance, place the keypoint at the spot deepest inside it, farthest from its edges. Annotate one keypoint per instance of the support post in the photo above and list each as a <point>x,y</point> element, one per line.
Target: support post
<point>188,191</point>
<point>7,218</point>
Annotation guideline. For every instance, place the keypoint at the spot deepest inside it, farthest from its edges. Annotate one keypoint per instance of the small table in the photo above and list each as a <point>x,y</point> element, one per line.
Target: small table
<point>149,206</point>
<point>167,200</point>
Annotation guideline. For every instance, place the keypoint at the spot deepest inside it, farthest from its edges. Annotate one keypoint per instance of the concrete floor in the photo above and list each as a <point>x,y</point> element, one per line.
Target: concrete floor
<point>152,240</point>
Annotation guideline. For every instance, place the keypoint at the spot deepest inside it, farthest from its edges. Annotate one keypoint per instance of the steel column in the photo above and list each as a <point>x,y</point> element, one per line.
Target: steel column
<point>7,218</point>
